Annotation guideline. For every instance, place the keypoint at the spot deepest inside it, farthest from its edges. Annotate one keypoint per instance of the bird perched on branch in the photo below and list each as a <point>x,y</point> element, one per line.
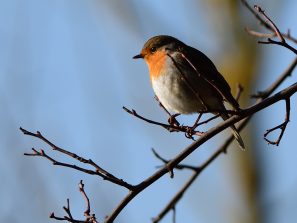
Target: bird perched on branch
<point>185,80</point>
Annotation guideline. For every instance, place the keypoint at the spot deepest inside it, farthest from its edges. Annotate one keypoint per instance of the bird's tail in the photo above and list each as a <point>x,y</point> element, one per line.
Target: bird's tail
<point>235,132</point>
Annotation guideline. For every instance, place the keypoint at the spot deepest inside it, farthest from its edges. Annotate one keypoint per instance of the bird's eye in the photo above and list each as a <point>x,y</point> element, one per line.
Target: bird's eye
<point>153,49</point>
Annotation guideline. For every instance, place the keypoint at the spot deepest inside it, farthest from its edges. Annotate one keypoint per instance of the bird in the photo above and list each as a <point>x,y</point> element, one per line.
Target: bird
<point>186,81</point>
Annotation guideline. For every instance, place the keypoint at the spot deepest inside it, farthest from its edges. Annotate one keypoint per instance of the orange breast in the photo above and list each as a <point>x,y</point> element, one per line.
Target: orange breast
<point>156,63</point>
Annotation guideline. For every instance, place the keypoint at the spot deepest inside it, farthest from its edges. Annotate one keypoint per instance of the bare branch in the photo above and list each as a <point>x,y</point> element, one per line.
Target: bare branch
<point>266,25</point>
<point>270,25</point>
<point>284,44</point>
<point>170,128</point>
<point>282,95</point>
<point>259,34</point>
<point>196,172</point>
<point>282,126</point>
<point>98,170</point>
<point>135,190</point>
<point>90,218</point>
<point>179,166</point>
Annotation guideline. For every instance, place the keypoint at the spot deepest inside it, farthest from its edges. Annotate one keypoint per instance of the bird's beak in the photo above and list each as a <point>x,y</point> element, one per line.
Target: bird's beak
<point>138,56</point>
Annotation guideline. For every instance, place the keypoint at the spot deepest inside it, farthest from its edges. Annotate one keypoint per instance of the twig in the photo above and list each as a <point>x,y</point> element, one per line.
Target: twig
<point>265,24</point>
<point>282,126</point>
<point>258,34</point>
<point>272,25</point>
<point>90,218</point>
<point>173,215</point>
<point>98,170</point>
<point>178,167</point>
<point>270,41</point>
<point>238,92</point>
<point>170,128</point>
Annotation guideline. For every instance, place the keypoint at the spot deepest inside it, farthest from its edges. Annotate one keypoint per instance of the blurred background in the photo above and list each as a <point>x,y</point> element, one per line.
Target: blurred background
<point>66,69</point>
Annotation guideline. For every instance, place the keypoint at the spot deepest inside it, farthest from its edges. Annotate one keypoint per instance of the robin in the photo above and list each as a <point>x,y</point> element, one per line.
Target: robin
<point>185,80</point>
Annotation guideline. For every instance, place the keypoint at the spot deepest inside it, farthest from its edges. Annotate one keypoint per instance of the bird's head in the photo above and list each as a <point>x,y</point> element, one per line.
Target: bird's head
<point>158,44</point>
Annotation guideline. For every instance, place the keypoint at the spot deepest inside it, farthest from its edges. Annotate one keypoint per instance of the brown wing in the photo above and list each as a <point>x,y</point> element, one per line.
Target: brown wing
<point>205,67</point>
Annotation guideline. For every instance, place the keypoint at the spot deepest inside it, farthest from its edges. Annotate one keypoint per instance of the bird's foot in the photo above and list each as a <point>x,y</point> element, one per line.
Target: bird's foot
<point>190,132</point>
<point>172,120</point>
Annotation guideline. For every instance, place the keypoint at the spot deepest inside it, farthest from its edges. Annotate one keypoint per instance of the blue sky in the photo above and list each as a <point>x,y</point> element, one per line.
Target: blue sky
<point>66,69</point>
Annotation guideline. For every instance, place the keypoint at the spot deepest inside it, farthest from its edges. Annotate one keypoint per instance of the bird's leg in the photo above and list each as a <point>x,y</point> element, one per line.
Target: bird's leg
<point>191,130</point>
<point>196,122</point>
<point>162,106</point>
<point>172,120</point>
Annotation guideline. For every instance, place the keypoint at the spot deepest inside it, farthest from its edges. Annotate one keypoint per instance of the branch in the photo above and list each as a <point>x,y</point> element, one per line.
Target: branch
<point>282,95</point>
<point>282,126</point>
<point>178,167</point>
<point>135,190</point>
<point>174,125</point>
<point>170,128</point>
<point>98,170</point>
<point>284,44</point>
<point>90,218</point>
<point>196,172</point>
<point>282,41</point>
<point>269,24</point>
<point>266,25</point>
<point>272,24</point>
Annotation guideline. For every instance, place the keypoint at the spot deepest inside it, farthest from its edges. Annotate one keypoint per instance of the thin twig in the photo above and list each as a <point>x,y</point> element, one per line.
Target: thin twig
<point>170,128</point>
<point>282,126</point>
<point>275,29</point>
<point>98,170</point>
<point>265,24</point>
<point>238,92</point>
<point>165,161</point>
<point>90,218</point>
<point>270,41</point>
<point>272,24</point>
<point>259,34</point>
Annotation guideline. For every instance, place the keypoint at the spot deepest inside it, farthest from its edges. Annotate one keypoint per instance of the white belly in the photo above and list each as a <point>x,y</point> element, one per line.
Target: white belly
<point>174,94</point>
